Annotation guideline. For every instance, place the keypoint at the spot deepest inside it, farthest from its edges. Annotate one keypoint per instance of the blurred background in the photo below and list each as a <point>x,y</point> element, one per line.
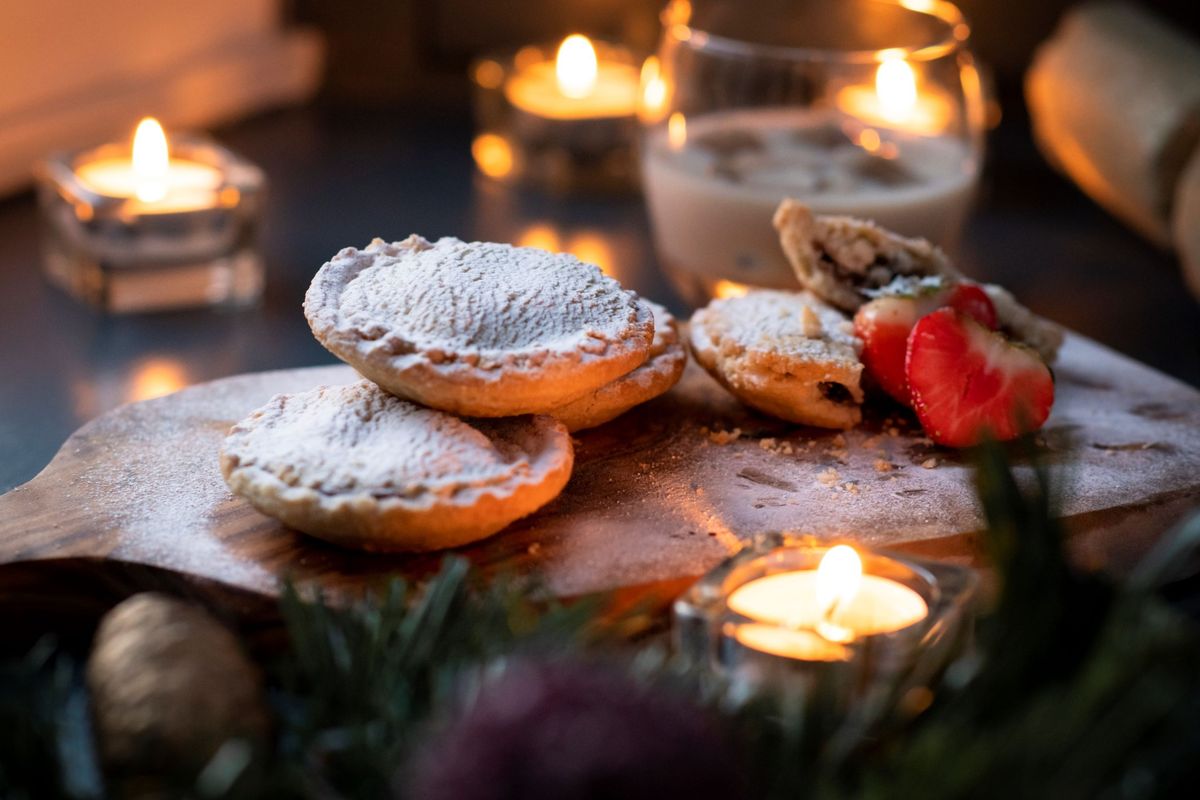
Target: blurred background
<point>358,112</point>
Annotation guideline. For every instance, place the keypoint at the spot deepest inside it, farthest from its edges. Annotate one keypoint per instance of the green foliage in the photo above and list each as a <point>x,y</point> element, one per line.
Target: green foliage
<point>359,685</point>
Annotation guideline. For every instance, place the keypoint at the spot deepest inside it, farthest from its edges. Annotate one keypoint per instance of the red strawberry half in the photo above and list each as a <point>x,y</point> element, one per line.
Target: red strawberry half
<point>969,382</point>
<point>884,324</point>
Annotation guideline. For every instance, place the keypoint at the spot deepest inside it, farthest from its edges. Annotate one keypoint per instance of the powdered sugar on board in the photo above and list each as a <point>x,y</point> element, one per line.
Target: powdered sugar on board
<point>663,492</point>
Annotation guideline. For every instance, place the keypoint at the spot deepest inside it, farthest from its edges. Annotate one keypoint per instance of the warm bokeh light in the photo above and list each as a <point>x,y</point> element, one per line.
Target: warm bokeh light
<point>654,91</point>
<point>493,155</point>
<point>156,377</point>
<point>594,249</point>
<point>539,235</point>
<point>676,131</point>
<point>724,288</point>
<point>489,74</point>
<point>868,139</point>
<point>575,66</point>
<point>896,86</point>
<point>677,12</point>
<point>150,160</point>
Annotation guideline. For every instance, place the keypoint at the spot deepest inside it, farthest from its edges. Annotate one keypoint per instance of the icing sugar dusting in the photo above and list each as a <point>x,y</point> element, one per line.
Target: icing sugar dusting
<point>479,302</point>
<point>359,439</point>
<point>170,495</point>
<point>775,322</point>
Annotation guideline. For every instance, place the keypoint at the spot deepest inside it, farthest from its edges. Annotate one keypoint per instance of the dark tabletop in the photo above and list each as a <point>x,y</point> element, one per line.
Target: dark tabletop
<point>339,179</point>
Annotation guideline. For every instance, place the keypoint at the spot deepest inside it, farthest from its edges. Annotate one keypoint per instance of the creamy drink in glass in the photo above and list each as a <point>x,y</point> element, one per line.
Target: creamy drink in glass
<point>876,133</point>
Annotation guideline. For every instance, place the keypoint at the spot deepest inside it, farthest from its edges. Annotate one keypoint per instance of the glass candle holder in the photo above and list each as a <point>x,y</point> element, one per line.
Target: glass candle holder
<point>867,108</point>
<point>561,116</point>
<point>195,246</point>
<point>760,618</point>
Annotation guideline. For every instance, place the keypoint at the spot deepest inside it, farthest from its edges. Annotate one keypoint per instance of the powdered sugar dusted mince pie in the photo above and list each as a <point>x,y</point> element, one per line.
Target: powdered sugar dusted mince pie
<point>477,328</point>
<point>661,371</point>
<point>359,467</point>
<point>784,353</point>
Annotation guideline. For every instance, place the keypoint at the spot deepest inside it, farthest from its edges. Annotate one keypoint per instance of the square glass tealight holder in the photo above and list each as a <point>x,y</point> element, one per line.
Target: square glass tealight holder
<point>123,255</point>
<point>848,675</point>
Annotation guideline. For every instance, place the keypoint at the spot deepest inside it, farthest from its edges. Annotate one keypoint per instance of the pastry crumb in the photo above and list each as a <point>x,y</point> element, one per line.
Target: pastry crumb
<point>773,445</point>
<point>850,487</point>
<point>725,437</point>
<point>929,463</point>
<point>828,477</point>
<point>810,323</point>
<point>882,465</point>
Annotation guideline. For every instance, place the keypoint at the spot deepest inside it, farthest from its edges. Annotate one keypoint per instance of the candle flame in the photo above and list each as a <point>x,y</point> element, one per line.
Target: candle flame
<point>839,577</point>
<point>150,160</point>
<point>575,66</point>
<point>896,86</point>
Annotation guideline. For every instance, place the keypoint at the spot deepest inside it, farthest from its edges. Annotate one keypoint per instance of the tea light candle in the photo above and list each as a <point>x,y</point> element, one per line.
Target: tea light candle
<point>565,117</point>
<point>576,85</point>
<point>158,183</point>
<point>142,228</point>
<point>836,621</point>
<point>812,614</point>
<point>894,100</point>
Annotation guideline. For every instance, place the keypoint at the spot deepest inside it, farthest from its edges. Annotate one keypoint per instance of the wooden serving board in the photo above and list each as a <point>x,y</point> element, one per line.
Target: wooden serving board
<point>657,497</point>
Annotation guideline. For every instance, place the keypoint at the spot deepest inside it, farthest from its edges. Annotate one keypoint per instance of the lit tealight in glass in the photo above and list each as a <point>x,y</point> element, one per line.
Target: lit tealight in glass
<point>149,175</point>
<point>894,101</point>
<point>575,85</point>
<point>811,613</point>
<point>155,225</point>
<point>568,113</point>
<point>839,621</point>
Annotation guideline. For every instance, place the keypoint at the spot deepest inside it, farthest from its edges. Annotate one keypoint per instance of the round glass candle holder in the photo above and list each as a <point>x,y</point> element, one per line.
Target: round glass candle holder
<point>867,108</point>
<point>122,254</point>
<point>528,133</point>
<point>767,650</point>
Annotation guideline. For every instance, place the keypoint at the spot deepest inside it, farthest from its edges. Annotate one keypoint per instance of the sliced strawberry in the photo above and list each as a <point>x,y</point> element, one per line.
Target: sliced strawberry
<point>968,382</point>
<point>971,299</point>
<point>884,325</point>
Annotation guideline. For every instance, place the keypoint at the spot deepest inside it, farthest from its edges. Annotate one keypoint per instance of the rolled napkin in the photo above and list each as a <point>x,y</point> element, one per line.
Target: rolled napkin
<point>1114,97</point>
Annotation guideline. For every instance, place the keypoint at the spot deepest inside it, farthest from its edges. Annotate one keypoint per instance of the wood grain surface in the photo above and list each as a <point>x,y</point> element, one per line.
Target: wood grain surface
<point>658,496</point>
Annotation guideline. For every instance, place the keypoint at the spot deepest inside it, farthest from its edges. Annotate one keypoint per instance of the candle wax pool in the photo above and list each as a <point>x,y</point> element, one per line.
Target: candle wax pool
<point>790,600</point>
<point>535,90</point>
<point>188,185</point>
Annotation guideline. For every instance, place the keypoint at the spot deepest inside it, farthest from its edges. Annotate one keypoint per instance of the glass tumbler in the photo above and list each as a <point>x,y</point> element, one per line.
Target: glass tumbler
<point>867,108</point>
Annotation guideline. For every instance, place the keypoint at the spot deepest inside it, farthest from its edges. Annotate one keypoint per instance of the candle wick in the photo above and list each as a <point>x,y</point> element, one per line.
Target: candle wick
<point>831,631</point>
